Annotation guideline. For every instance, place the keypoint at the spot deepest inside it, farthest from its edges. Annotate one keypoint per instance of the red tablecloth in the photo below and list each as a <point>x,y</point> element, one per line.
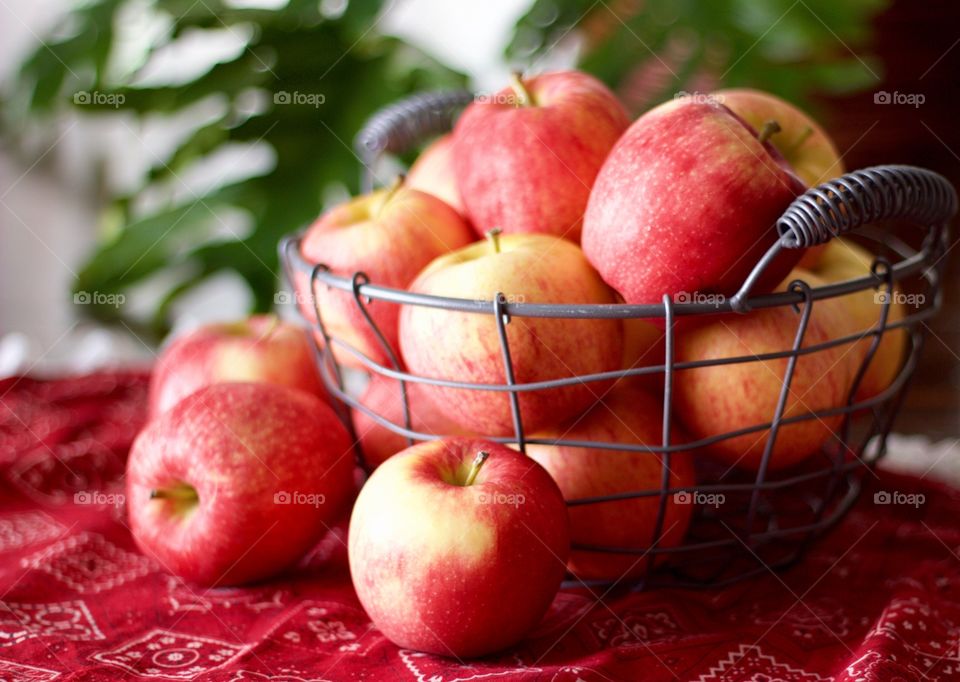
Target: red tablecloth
<point>878,599</point>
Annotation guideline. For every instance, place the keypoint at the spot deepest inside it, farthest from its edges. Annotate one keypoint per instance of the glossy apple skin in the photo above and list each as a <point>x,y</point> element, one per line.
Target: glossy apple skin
<point>261,348</point>
<point>466,346</point>
<point>238,445</point>
<point>628,414</point>
<point>433,173</point>
<point>718,399</point>
<point>451,569</point>
<point>801,141</point>
<point>388,240</point>
<point>383,396</point>
<point>844,260</point>
<point>686,202</point>
<point>530,168</point>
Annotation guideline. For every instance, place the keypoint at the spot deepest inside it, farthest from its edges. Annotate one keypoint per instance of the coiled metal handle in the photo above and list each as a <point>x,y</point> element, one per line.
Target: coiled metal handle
<point>405,124</point>
<point>851,201</point>
<point>864,196</point>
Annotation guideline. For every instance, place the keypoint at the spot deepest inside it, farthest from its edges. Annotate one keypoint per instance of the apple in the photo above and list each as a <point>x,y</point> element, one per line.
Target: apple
<point>643,345</point>
<point>716,399</point>
<point>383,396</point>
<point>687,202</point>
<point>801,141</point>
<point>237,481</point>
<point>526,158</point>
<point>844,260</point>
<point>530,268</point>
<point>457,547</point>
<point>432,173</point>
<point>390,235</point>
<point>261,348</point>
<point>628,414</point>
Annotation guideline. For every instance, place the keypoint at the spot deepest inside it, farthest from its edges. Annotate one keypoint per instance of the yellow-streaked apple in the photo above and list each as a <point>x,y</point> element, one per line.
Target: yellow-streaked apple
<point>631,415</point>
<point>432,173</point>
<point>526,157</point>
<point>237,481</point>
<point>687,202</point>
<point>389,235</point>
<point>457,547</point>
<point>844,260</point>
<point>801,141</point>
<point>717,399</point>
<point>465,346</point>
<point>261,348</point>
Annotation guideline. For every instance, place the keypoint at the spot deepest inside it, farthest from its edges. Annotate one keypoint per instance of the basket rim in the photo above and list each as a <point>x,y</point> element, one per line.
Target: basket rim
<point>912,261</point>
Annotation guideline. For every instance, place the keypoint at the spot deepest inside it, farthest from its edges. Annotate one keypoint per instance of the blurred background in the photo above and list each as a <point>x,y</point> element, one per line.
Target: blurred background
<point>152,153</point>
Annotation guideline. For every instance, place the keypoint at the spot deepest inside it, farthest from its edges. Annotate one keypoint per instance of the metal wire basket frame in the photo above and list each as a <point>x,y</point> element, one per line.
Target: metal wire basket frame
<point>774,516</point>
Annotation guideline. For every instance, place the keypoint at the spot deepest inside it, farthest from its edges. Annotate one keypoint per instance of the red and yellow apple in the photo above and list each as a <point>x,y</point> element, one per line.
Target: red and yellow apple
<point>458,553</point>
<point>261,348</point>
<point>717,399</point>
<point>389,235</point>
<point>526,157</point>
<point>844,260</point>
<point>687,202</point>
<point>384,397</point>
<point>465,346</point>
<point>632,416</point>
<point>801,141</point>
<point>432,173</point>
<point>237,481</point>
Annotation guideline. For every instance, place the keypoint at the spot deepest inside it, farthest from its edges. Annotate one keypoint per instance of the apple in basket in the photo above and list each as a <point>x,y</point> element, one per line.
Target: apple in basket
<point>465,346</point>
<point>627,414</point>
<point>801,141</point>
<point>261,348</point>
<point>389,235</point>
<point>384,397</point>
<point>432,173</point>
<point>686,202</point>
<point>526,157</point>
<point>717,399</point>
<point>237,481</point>
<point>844,260</point>
<point>457,547</point>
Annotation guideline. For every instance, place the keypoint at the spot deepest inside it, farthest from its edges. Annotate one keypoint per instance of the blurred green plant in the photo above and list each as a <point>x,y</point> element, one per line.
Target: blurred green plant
<point>649,50</point>
<point>314,71</point>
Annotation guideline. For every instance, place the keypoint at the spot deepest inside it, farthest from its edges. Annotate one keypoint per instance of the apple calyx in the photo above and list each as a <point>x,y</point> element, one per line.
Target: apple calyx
<point>494,237</point>
<point>770,128</point>
<point>524,97</point>
<point>184,497</point>
<point>390,193</point>
<point>475,467</point>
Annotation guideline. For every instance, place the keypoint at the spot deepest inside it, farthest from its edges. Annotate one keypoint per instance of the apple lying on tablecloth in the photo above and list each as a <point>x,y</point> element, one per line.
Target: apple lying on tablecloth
<point>261,348</point>
<point>237,481</point>
<point>457,547</point>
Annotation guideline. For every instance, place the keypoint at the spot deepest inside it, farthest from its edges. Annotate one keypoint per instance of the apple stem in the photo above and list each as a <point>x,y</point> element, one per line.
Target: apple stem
<point>770,128</point>
<point>182,493</point>
<point>269,331</point>
<point>391,191</point>
<point>494,237</point>
<point>478,461</point>
<point>524,98</point>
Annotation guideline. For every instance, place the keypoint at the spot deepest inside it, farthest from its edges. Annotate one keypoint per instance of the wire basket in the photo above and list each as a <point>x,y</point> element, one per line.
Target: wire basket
<point>769,518</point>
